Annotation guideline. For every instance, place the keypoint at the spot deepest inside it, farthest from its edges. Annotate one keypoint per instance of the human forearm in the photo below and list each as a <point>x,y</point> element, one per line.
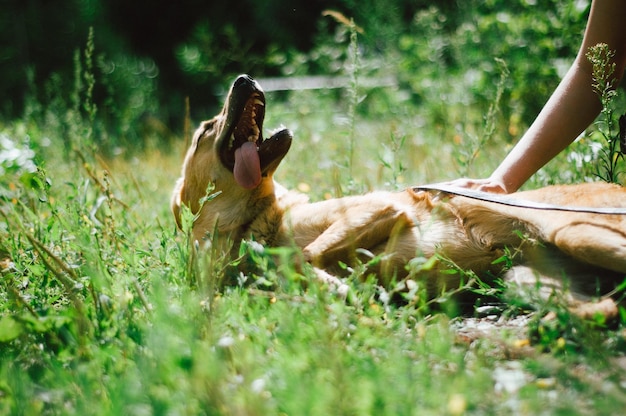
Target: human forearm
<point>573,106</point>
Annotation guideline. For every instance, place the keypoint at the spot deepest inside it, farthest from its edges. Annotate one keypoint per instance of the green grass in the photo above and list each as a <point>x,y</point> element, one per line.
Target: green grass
<point>102,314</point>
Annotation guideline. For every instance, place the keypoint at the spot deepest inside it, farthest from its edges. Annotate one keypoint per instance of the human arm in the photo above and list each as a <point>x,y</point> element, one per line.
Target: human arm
<point>570,110</point>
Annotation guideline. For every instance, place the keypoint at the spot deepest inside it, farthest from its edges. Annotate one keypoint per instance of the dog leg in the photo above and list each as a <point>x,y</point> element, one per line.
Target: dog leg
<point>356,229</point>
<point>333,282</point>
<point>599,244</point>
<point>588,310</point>
<point>526,282</point>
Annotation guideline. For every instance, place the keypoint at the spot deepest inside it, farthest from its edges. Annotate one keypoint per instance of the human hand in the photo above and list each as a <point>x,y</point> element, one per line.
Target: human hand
<point>485,185</point>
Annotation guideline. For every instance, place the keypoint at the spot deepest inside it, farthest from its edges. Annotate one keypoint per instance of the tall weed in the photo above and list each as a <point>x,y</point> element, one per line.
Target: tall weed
<point>612,153</point>
<point>105,311</point>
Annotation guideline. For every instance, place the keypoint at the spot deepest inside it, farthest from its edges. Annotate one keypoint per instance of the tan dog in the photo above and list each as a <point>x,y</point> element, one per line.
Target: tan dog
<point>230,152</point>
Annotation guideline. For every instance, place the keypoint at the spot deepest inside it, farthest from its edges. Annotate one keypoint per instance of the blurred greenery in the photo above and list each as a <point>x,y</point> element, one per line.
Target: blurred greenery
<point>101,310</point>
<point>150,56</point>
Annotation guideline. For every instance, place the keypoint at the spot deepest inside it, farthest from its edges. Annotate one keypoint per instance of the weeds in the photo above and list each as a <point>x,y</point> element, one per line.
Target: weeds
<point>392,160</point>
<point>556,329</point>
<point>468,153</point>
<point>353,66</point>
<point>600,57</point>
<point>106,311</point>
<point>90,81</point>
<point>353,93</point>
<point>81,131</point>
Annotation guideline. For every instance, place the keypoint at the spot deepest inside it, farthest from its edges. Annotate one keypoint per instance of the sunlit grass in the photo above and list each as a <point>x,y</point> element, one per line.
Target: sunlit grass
<point>102,314</point>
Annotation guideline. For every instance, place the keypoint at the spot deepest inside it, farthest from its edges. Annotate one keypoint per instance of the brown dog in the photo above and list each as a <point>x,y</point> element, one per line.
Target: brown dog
<point>230,153</point>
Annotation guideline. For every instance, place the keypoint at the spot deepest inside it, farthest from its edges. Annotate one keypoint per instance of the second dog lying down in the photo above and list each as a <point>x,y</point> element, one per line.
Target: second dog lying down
<point>229,151</point>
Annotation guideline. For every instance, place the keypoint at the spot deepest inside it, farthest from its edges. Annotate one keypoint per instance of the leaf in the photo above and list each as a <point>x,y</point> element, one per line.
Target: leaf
<point>500,259</point>
<point>622,314</point>
<point>43,324</point>
<point>9,329</point>
<point>423,264</point>
<point>36,181</point>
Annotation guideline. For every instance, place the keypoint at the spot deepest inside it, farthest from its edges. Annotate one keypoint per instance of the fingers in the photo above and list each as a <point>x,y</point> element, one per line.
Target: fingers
<point>493,187</point>
<point>485,185</point>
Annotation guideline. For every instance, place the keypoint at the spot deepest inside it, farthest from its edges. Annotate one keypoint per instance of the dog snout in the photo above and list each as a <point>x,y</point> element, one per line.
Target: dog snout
<point>245,80</point>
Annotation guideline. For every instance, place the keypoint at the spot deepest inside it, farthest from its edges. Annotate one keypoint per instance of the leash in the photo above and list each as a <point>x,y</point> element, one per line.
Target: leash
<point>515,202</point>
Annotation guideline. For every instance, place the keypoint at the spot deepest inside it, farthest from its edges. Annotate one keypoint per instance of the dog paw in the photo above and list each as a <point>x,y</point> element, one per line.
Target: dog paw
<point>588,310</point>
<point>333,282</point>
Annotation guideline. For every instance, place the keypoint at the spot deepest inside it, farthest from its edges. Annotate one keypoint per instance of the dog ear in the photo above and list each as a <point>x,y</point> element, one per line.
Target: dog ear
<point>425,197</point>
<point>175,202</point>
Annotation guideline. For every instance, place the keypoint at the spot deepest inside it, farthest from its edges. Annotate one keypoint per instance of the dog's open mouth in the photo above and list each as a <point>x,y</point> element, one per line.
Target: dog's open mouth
<point>241,145</point>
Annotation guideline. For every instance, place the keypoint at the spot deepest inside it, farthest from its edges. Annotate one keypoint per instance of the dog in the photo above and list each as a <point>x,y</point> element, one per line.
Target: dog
<point>230,154</point>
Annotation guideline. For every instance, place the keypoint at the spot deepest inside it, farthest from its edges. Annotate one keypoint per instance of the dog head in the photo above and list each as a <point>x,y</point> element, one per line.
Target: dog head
<point>229,151</point>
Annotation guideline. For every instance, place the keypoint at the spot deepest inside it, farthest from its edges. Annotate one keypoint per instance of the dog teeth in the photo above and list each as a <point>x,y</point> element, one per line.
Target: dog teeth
<point>254,134</point>
<point>247,128</point>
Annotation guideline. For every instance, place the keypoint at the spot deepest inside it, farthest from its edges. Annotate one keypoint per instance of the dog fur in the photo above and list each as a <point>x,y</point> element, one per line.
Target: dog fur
<point>587,248</point>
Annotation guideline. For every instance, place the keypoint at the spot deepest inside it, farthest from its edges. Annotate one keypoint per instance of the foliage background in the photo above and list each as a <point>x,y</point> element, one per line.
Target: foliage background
<point>100,312</point>
<point>151,55</point>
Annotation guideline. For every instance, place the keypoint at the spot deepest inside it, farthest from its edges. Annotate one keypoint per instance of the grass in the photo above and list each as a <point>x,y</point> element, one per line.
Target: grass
<point>101,313</point>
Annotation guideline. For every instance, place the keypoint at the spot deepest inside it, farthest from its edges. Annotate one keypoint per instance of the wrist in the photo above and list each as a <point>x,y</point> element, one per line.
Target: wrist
<point>500,183</point>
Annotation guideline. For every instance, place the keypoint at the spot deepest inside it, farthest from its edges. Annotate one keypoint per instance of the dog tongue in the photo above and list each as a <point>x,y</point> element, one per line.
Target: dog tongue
<point>247,169</point>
